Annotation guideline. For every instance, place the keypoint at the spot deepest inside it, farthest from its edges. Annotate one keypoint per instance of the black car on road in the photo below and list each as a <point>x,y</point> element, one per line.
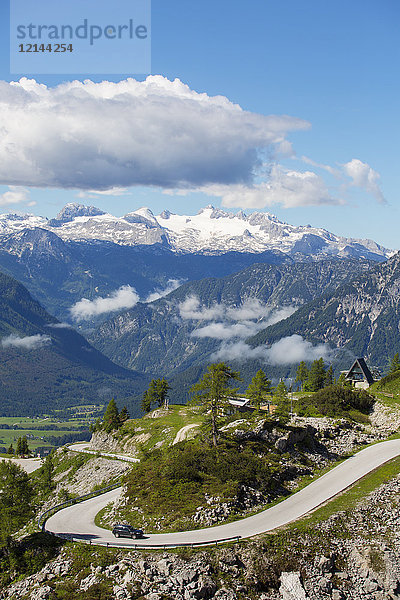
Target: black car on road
<point>121,530</point>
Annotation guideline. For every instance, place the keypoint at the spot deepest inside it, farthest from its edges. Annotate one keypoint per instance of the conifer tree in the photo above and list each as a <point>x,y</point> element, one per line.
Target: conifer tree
<point>302,374</point>
<point>329,380</point>
<point>22,446</point>
<point>280,391</point>
<point>162,389</point>
<point>150,396</point>
<point>394,364</point>
<point>316,377</point>
<point>145,403</point>
<point>111,417</point>
<point>16,495</point>
<point>157,393</point>
<point>123,415</point>
<point>213,392</point>
<point>47,474</point>
<point>258,389</point>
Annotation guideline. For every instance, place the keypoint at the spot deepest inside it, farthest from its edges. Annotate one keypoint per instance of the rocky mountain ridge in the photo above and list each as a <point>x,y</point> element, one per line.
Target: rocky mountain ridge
<point>211,231</point>
<point>361,316</point>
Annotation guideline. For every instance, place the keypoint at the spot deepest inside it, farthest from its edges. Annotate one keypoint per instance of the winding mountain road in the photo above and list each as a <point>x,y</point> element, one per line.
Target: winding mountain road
<point>78,520</point>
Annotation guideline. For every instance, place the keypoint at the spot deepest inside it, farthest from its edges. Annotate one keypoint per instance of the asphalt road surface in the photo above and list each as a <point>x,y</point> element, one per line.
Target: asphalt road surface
<point>85,448</point>
<point>78,520</point>
<point>28,464</point>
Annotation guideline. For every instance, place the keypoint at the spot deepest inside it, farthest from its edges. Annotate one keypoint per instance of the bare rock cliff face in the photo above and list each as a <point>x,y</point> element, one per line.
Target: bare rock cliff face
<point>104,442</point>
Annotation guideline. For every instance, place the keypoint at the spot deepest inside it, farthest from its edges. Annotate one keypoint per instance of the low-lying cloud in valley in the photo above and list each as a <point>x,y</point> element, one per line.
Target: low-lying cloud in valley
<point>286,351</point>
<point>231,321</point>
<point>123,298</point>
<point>251,309</point>
<point>29,342</point>
<point>224,331</point>
<point>233,325</point>
<point>61,325</point>
<point>172,284</point>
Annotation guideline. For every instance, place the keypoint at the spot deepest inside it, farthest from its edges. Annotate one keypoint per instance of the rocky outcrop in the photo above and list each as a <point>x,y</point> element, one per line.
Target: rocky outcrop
<point>340,436</point>
<point>36,587</point>
<point>96,471</point>
<point>295,436</point>
<point>384,418</point>
<point>291,587</point>
<point>217,511</point>
<point>104,442</point>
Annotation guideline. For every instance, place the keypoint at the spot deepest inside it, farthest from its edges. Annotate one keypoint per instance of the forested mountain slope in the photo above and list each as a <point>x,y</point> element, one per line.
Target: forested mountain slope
<point>45,364</point>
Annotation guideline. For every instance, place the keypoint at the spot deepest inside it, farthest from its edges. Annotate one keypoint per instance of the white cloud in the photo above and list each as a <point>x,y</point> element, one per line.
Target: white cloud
<point>123,298</point>
<point>172,284</point>
<point>115,191</point>
<point>234,351</point>
<point>294,349</point>
<point>365,177</point>
<point>327,168</point>
<point>30,342</point>
<point>224,331</point>
<point>16,195</point>
<point>250,309</point>
<point>99,136</point>
<point>245,328</point>
<point>248,319</point>
<point>287,188</point>
<point>279,314</point>
<point>190,309</point>
<point>60,326</point>
<point>289,350</point>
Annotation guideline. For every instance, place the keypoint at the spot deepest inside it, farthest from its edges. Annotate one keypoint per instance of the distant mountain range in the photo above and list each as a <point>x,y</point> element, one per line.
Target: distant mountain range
<point>84,252</point>
<point>248,279</point>
<point>211,231</point>
<point>45,364</point>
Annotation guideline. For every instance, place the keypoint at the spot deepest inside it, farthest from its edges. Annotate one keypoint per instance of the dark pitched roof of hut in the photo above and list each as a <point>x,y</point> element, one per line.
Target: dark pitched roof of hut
<point>359,372</point>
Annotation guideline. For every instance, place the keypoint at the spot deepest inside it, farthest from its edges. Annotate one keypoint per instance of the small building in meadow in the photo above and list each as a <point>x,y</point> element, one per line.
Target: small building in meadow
<point>359,374</point>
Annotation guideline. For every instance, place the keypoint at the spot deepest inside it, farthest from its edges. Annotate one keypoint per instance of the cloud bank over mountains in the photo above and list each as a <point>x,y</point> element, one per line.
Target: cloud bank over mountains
<point>107,137</point>
<point>96,136</point>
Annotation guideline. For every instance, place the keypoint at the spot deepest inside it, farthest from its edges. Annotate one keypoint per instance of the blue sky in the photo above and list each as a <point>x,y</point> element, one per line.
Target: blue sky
<point>332,67</point>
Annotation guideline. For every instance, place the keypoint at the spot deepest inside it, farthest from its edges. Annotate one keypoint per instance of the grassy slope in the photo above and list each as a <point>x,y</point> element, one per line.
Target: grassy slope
<point>387,390</point>
<point>158,427</point>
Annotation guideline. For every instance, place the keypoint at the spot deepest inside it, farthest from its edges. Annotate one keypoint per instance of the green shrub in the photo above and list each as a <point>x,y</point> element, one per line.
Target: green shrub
<point>335,401</point>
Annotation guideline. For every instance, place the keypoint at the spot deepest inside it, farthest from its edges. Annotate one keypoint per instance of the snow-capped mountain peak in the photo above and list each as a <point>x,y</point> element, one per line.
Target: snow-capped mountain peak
<point>142,215</point>
<point>73,209</point>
